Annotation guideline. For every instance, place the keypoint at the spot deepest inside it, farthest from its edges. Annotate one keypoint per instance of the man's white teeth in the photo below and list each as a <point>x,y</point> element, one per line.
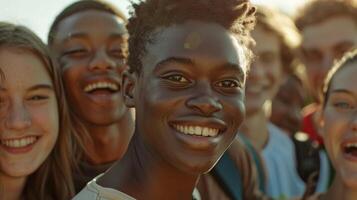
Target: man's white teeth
<point>101,85</point>
<point>349,145</point>
<point>19,143</point>
<point>197,130</point>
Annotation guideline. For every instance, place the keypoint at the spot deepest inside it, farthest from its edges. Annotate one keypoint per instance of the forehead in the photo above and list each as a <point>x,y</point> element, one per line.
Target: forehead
<point>22,69</point>
<point>345,78</point>
<point>266,40</point>
<point>90,22</point>
<point>330,32</point>
<point>194,40</point>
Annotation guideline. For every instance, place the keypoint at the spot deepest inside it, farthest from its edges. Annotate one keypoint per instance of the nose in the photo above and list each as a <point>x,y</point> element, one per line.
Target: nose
<point>101,61</point>
<point>18,117</point>
<point>204,102</point>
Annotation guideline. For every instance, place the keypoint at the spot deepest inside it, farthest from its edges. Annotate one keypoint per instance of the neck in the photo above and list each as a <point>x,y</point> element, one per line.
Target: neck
<point>11,188</point>
<point>109,143</point>
<point>339,190</point>
<point>144,175</point>
<point>255,128</point>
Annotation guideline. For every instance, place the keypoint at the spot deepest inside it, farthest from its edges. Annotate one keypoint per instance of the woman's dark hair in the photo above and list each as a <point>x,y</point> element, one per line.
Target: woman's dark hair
<point>349,58</point>
<point>147,16</point>
<point>80,6</point>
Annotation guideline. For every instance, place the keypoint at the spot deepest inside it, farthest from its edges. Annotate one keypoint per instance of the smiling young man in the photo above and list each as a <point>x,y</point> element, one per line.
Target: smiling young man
<point>188,62</point>
<point>89,40</point>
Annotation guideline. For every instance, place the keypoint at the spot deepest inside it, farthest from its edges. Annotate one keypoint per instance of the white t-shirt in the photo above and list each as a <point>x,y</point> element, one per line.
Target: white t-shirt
<point>279,157</point>
<point>93,191</point>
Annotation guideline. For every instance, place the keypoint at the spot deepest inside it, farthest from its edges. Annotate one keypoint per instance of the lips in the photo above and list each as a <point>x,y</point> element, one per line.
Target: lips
<point>110,85</point>
<point>19,143</point>
<point>196,130</point>
<point>349,149</point>
<point>102,85</point>
<point>104,91</point>
<point>199,126</point>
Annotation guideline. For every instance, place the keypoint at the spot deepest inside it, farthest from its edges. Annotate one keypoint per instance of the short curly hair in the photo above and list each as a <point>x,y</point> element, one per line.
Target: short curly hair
<point>81,6</point>
<point>146,16</point>
<point>316,11</point>
<point>284,28</point>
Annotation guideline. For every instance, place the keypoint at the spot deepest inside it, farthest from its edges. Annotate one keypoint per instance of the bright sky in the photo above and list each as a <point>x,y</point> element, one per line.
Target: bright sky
<point>39,14</point>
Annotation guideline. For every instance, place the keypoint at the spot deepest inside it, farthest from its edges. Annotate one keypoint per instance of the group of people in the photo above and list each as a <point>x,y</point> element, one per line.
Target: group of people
<point>186,99</point>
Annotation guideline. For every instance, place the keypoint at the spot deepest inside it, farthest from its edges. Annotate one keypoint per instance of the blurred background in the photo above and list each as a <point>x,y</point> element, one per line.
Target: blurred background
<point>39,14</point>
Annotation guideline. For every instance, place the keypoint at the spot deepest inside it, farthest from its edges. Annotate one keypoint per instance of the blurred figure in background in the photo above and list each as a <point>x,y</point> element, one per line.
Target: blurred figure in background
<point>328,29</point>
<point>276,38</point>
<point>89,41</point>
<point>312,163</point>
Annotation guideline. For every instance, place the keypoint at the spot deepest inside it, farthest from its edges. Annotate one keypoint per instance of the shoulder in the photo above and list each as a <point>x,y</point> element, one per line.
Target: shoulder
<point>93,191</point>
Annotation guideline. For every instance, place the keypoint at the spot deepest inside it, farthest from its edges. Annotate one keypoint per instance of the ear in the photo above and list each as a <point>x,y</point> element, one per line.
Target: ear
<point>128,88</point>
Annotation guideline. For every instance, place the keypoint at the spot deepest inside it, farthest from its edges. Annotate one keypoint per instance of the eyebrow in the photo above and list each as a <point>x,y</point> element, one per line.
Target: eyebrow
<point>75,35</point>
<point>35,87</point>
<point>178,60</point>
<point>85,35</point>
<point>188,61</point>
<point>41,86</point>
<point>341,91</point>
<point>236,68</point>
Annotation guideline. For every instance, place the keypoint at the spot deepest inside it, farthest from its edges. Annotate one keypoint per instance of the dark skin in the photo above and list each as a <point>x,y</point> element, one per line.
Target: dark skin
<point>287,106</point>
<point>91,47</point>
<point>192,75</point>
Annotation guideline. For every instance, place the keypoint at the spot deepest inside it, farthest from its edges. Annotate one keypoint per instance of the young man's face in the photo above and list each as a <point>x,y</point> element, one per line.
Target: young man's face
<point>323,43</point>
<point>189,95</point>
<point>91,47</point>
<point>266,73</point>
<point>287,105</point>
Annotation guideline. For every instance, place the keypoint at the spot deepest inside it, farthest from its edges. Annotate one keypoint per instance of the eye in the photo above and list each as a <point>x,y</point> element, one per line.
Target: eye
<point>76,52</point>
<point>228,84</point>
<point>38,97</point>
<point>117,53</point>
<point>176,78</point>
<point>343,105</point>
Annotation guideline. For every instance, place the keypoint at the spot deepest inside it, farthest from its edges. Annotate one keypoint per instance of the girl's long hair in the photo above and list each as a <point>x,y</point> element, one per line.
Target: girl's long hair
<point>53,179</point>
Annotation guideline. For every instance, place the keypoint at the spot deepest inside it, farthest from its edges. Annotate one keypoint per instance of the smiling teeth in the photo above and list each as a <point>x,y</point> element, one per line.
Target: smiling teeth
<point>349,145</point>
<point>19,143</point>
<point>101,85</point>
<point>197,130</point>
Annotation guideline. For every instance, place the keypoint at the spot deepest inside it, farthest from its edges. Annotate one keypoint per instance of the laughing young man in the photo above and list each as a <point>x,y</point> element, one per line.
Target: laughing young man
<point>188,62</point>
<point>89,40</point>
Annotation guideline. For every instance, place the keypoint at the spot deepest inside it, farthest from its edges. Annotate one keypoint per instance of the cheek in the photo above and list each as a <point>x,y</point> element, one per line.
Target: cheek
<point>332,131</point>
<point>46,119</point>
<point>235,110</point>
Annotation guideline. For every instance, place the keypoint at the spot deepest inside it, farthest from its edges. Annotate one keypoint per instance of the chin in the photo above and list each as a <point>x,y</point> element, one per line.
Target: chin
<point>18,173</point>
<point>198,168</point>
